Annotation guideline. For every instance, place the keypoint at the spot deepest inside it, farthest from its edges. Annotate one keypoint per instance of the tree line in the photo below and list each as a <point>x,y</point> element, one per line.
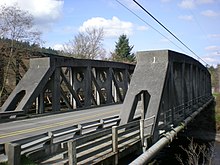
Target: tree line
<point>88,45</point>
<point>215,78</point>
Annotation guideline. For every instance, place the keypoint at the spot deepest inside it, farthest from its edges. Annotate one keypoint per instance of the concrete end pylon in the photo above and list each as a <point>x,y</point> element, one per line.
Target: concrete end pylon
<point>149,75</point>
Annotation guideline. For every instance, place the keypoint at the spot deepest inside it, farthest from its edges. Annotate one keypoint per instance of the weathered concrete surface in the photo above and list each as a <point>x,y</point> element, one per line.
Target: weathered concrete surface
<point>165,81</point>
<point>30,86</point>
<point>52,82</point>
<point>149,76</point>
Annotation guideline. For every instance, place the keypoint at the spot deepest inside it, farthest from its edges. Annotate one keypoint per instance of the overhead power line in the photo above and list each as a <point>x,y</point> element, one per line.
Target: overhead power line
<point>149,25</point>
<point>167,30</point>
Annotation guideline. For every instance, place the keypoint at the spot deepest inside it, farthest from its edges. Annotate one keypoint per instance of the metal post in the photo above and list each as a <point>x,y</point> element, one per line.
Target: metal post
<point>71,78</point>
<point>88,87</point>
<point>143,106</point>
<point>56,90</point>
<point>14,153</point>
<point>151,152</point>
<point>142,134</point>
<point>115,143</point>
<point>168,137</point>
<point>72,152</point>
<point>40,103</point>
<point>109,86</point>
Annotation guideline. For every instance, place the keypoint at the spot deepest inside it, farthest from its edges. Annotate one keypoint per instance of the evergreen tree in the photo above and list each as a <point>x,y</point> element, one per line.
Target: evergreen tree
<point>122,51</point>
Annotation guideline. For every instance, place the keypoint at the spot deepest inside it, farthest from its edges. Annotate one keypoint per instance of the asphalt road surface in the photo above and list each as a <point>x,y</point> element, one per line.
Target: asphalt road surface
<point>21,129</point>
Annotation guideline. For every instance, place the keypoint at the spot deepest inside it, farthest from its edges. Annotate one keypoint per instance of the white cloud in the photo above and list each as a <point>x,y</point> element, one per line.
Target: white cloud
<point>212,48</point>
<point>190,4</point>
<point>45,12</point>
<point>205,1</point>
<point>112,27</point>
<point>58,47</point>
<point>211,60</point>
<point>187,4</point>
<point>210,13</point>
<point>165,1</point>
<point>215,36</point>
<point>164,40</point>
<point>186,17</point>
<point>142,28</point>
<point>213,55</point>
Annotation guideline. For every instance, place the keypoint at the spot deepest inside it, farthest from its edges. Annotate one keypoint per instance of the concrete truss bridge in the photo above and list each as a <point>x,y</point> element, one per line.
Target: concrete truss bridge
<point>78,111</point>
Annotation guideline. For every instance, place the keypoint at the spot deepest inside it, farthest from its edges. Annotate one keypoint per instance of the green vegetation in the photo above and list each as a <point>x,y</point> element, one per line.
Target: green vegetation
<point>215,77</point>
<point>123,50</point>
<point>24,161</point>
<point>217,112</point>
<point>12,68</point>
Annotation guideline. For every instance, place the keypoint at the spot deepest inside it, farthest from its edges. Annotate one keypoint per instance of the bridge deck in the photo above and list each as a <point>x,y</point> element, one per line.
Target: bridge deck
<point>21,129</point>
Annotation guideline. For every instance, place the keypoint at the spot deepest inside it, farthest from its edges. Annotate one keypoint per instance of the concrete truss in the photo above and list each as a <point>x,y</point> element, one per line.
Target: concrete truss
<point>168,85</point>
<point>57,83</point>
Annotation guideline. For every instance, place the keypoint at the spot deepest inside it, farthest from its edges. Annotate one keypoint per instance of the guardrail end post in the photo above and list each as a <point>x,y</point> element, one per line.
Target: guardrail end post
<point>13,151</point>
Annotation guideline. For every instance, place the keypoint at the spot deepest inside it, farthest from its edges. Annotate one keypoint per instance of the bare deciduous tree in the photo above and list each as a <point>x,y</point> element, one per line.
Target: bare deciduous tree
<point>86,45</point>
<point>196,154</point>
<point>16,25</point>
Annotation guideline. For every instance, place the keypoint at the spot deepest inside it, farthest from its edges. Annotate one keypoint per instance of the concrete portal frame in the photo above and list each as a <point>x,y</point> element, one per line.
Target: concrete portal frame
<point>172,80</point>
<point>68,83</point>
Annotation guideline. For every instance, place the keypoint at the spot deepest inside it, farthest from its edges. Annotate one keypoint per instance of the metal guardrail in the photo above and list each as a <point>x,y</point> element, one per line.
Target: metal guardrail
<point>108,143</point>
<point>56,138</point>
<point>178,113</point>
<point>167,137</point>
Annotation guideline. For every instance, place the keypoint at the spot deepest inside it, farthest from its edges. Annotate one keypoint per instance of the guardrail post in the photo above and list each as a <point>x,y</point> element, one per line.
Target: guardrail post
<point>115,143</point>
<point>14,153</point>
<point>102,124</point>
<point>50,134</point>
<point>142,134</point>
<point>72,152</point>
<point>80,130</point>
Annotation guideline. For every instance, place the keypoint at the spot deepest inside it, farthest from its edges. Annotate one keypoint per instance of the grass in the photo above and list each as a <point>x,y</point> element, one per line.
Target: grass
<point>217,111</point>
<point>3,163</point>
<point>24,161</point>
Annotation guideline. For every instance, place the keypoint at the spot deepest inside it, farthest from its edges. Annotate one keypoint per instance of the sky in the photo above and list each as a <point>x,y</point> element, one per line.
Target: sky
<point>195,22</point>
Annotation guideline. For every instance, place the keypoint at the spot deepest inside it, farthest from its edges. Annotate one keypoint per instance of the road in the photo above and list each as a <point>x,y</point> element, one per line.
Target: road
<point>21,129</point>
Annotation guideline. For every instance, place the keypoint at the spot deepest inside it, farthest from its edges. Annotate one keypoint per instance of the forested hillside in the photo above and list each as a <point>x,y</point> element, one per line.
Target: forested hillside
<point>215,76</point>
<point>14,62</point>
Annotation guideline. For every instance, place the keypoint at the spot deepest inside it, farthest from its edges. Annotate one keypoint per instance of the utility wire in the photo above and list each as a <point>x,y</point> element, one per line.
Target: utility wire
<point>168,30</point>
<point>149,25</point>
